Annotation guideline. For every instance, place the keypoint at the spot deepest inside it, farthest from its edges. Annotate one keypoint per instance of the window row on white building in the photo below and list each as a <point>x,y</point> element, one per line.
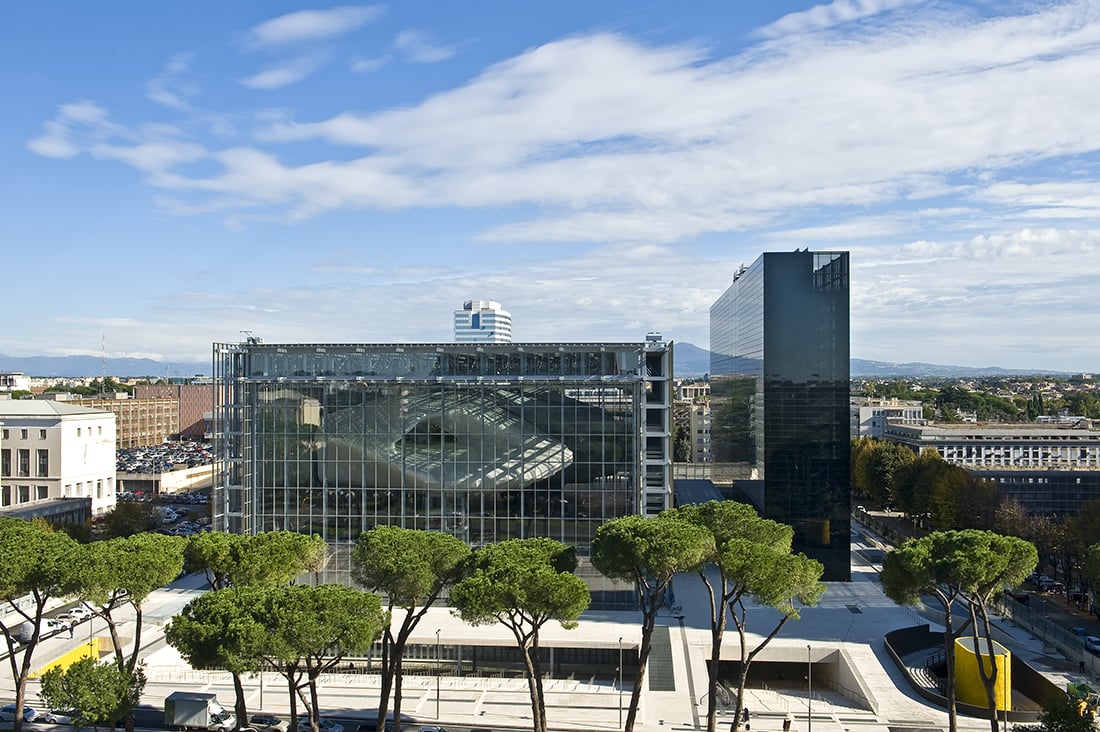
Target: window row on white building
<point>53,450</point>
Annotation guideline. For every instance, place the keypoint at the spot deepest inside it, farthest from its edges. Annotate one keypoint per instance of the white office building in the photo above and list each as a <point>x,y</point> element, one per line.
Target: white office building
<point>870,415</point>
<point>482,321</point>
<point>14,381</point>
<point>54,450</point>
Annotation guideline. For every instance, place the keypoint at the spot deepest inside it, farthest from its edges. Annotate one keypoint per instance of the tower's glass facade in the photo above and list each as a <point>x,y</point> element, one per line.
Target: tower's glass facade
<point>780,334</point>
<point>484,442</point>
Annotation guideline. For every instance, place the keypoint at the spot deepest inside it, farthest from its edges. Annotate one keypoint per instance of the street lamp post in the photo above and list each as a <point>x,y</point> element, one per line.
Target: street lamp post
<point>809,690</point>
<point>620,681</point>
<point>437,672</point>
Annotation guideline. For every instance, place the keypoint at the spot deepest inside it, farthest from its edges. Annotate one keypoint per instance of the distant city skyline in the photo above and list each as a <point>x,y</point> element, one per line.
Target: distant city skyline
<point>179,173</point>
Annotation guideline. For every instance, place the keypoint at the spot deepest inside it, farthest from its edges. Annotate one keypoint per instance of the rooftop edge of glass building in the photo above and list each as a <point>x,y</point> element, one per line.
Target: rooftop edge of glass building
<point>483,441</point>
<point>780,371</point>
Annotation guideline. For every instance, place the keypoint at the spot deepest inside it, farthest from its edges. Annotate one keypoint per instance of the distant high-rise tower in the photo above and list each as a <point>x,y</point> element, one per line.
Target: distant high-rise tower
<point>780,392</point>
<point>482,321</point>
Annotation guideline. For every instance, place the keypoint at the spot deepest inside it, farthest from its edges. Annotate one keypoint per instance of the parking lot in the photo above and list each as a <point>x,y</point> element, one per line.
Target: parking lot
<point>162,458</point>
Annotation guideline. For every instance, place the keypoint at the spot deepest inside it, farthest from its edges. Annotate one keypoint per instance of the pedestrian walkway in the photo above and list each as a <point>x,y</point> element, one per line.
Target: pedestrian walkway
<point>856,686</point>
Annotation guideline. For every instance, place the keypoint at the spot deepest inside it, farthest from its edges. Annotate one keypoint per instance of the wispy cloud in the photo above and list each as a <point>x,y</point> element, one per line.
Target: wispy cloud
<point>613,140</point>
<point>170,88</point>
<point>822,17</point>
<point>915,143</point>
<point>312,25</point>
<point>54,142</point>
<point>63,136</point>
<point>285,73</point>
<point>365,65</point>
<point>418,46</point>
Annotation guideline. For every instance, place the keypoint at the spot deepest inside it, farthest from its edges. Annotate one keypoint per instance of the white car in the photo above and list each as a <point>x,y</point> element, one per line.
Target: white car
<point>54,625</point>
<point>77,613</point>
<point>1092,644</point>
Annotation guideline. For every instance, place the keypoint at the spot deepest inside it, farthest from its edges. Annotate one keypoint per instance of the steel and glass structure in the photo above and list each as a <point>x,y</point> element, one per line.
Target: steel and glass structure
<point>780,344</point>
<point>486,442</point>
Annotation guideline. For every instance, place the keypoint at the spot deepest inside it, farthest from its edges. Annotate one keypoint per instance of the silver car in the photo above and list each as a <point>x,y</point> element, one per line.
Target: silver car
<point>60,716</point>
<point>268,723</point>
<point>7,713</point>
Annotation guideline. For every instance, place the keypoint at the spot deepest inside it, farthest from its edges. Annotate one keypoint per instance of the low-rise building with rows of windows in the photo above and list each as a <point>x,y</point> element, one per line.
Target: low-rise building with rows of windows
<point>57,460</point>
<point>1048,468</point>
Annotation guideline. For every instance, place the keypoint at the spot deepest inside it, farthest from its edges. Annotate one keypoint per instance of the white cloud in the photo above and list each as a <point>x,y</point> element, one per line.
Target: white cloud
<point>821,17</point>
<point>170,88</point>
<point>613,140</point>
<point>54,142</point>
<point>364,65</point>
<point>152,156</point>
<point>419,47</point>
<point>313,25</point>
<point>952,154</point>
<point>67,134</point>
<point>285,73</point>
<point>84,111</point>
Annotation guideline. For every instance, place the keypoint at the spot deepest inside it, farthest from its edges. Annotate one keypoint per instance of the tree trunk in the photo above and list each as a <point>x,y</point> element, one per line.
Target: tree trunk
<point>399,680</point>
<point>949,656</point>
<point>314,704</point>
<point>25,668</point>
<point>717,630</point>
<point>743,675</point>
<point>530,661</point>
<point>712,679</point>
<point>239,704</point>
<point>292,693</point>
<point>989,680</point>
<point>649,621</point>
<point>387,678</point>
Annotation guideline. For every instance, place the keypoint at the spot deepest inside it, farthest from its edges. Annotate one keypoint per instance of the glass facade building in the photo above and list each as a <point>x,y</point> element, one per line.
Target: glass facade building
<point>780,345</point>
<point>486,442</point>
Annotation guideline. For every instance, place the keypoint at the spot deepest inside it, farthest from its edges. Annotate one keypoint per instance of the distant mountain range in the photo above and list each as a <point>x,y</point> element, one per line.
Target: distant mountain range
<point>93,366</point>
<point>690,361</point>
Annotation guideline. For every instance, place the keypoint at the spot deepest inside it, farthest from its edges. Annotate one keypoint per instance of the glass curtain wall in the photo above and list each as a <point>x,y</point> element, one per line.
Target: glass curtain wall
<point>482,444</point>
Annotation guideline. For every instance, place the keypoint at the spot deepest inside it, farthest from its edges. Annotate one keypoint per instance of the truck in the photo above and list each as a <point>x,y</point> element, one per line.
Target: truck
<point>185,710</point>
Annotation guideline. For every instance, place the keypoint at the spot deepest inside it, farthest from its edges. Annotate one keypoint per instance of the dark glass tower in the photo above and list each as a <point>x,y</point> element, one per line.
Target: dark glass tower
<point>779,334</point>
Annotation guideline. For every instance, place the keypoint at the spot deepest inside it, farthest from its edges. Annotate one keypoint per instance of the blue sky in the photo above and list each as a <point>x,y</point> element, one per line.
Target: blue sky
<point>176,173</point>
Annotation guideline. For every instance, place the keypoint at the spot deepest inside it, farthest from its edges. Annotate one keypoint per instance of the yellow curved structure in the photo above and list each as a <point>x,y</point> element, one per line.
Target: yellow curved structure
<point>968,680</point>
<point>95,648</point>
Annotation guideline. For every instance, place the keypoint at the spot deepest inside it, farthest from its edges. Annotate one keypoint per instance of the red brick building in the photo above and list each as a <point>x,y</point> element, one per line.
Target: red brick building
<point>195,401</point>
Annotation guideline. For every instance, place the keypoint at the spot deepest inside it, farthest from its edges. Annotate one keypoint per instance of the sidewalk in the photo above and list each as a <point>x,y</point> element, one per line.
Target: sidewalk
<point>845,628</point>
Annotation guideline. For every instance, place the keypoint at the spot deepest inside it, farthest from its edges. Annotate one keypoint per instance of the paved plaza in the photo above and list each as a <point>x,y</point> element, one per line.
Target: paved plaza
<point>848,625</point>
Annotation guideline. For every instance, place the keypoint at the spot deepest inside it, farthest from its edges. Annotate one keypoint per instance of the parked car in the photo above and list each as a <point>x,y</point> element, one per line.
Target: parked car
<point>433,728</point>
<point>323,724</point>
<point>55,625</point>
<point>372,726</point>
<point>76,613</point>
<point>268,723</point>
<point>7,713</point>
<point>60,716</point>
